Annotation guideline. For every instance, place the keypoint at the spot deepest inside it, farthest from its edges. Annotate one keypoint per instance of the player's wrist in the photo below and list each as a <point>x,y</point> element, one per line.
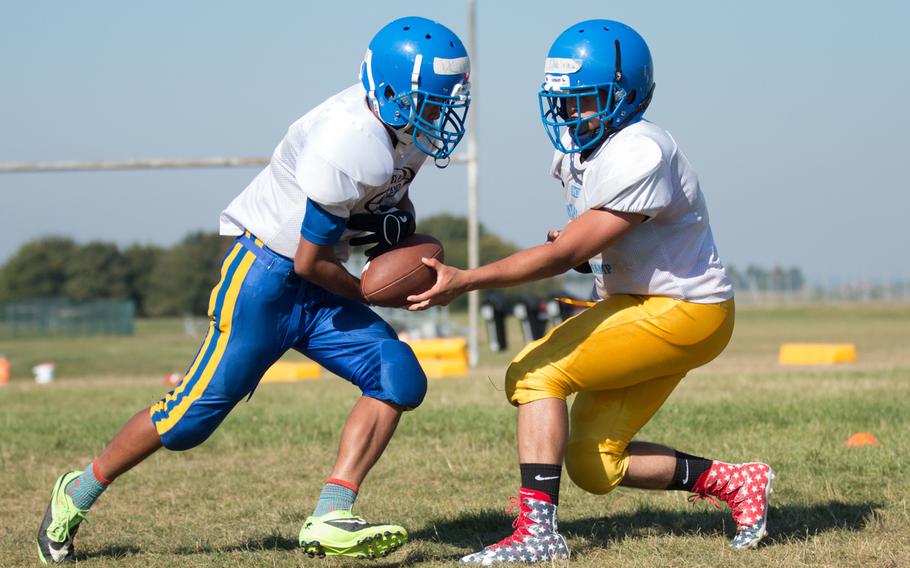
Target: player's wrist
<point>470,281</point>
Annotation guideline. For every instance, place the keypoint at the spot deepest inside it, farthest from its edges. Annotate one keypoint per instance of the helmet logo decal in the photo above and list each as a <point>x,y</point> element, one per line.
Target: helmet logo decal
<point>556,82</point>
<point>562,65</point>
<point>455,66</point>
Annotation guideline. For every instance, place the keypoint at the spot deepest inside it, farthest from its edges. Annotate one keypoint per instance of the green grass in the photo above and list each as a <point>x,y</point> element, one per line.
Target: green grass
<point>239,499</point>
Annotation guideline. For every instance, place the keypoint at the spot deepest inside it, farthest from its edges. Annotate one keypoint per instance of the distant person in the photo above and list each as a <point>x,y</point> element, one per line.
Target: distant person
<point>639,221</point>
<point>340,176</point>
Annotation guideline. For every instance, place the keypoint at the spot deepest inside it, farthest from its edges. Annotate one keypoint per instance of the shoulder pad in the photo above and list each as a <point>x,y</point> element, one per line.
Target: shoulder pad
<point>628,158</point>
<point>359,149</point>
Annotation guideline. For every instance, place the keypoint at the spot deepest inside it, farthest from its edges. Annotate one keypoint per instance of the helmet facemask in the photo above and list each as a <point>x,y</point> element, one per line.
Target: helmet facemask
<point>433,121</point>
<point>555,102</point>
<point>605,64</point>
<point>436,122</point>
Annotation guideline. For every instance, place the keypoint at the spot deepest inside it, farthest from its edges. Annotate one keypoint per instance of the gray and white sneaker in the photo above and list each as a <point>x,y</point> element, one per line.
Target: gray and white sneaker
<point>535,539</point>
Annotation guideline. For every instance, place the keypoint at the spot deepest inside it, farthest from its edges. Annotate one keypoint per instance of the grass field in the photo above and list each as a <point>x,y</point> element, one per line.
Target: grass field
<point>239,499</point>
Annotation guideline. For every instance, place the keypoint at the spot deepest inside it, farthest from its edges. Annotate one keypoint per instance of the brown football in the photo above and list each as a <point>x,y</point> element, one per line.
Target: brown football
<point>388,279</point>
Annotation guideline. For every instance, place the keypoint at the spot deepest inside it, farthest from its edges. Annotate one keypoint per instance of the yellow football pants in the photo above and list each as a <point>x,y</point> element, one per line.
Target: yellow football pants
<point>623,356</point>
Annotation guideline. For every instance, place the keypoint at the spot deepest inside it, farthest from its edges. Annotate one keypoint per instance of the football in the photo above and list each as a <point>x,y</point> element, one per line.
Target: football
<point>388,279</point>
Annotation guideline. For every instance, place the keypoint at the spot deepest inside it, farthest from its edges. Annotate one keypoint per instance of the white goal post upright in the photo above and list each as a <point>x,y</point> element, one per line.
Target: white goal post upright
<point>473,223</point>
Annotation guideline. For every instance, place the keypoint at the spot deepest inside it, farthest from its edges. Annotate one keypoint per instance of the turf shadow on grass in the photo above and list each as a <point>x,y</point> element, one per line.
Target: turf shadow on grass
<point>474,530</point>
<point>114,551</point>
<point>405,557</point>
<point>785,523</point>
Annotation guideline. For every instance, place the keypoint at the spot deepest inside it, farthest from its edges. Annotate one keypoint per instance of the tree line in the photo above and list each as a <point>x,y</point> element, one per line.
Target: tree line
<point>170,281</point>
<point>160,281</point>
<point>177,280</point>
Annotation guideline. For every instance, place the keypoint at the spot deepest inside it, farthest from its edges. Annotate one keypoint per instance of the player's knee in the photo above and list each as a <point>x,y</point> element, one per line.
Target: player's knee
<point>513,376</point>
<point>593,468</point>
<point>524,384</point>
<point>185,435</point>
<point>403,380</point>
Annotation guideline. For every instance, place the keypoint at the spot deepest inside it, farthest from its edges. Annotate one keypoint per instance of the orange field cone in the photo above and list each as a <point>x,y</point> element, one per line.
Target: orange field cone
<point>862,439</point>
<point>4,370</point>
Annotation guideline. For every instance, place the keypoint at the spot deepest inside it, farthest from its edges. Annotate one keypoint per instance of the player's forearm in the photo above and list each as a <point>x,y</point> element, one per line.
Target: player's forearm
<point>332,276</point>
<point>528,265</point>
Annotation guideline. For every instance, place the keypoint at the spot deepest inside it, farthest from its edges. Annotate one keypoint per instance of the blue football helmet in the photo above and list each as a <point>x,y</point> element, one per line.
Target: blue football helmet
<point>416,73</point>
<point>602,59</point>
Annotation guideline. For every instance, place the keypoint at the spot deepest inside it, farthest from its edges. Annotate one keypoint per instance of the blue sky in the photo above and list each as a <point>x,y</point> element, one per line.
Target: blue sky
<point>791,112</point>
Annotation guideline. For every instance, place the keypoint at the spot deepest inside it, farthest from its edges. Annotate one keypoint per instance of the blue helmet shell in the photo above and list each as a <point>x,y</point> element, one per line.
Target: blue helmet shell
<point>604,59</point>
<point>416,72</point>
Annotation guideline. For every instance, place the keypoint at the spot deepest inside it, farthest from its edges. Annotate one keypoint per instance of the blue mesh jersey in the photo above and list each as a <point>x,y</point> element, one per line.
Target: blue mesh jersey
<point>336,160</point>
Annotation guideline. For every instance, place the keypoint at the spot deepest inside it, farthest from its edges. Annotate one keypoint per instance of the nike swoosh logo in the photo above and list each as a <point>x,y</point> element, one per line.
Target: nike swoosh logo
<point>58,554</point>
<point>539,478</point>
<point>686,478</point>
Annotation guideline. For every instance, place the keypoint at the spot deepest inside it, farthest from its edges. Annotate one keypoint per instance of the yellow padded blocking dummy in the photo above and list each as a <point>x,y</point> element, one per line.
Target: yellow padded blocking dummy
<point>440,348</point>
<point>817,353</point>
<point>290,372</point>
<point>442,368</point>
<point>442,357</point>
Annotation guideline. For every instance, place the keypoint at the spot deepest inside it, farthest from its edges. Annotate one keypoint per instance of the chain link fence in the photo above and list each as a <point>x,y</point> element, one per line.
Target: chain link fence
<point>60,317</point>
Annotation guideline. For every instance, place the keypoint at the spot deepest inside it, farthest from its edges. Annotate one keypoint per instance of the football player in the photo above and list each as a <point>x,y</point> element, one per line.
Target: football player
<point>638,219</point>
<point>340,176</point>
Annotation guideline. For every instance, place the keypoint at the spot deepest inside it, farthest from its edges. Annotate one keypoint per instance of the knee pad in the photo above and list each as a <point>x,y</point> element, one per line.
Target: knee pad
<point>194,426</point>
<point>513,375</point>
<point>525,383</point>
<point>186,435</point>
<point>596,468</point>
<point>402,380</point>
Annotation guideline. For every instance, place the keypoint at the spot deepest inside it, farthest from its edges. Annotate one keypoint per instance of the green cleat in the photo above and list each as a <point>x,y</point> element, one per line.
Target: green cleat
<point>340,533</point>
<point>60,523</point>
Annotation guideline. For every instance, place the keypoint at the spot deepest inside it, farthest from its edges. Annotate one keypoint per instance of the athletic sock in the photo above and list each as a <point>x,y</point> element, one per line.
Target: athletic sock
<point>336,495</point>
<point>542,477</point>
<point>86,488</point>
<point>688,471</point>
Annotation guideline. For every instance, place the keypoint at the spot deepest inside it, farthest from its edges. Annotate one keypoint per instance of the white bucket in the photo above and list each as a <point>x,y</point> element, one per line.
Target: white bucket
<point>44,373</point>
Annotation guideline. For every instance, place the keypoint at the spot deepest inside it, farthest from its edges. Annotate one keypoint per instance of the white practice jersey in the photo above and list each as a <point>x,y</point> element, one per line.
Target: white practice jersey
<point>339,156</point>
<point>640,169</point>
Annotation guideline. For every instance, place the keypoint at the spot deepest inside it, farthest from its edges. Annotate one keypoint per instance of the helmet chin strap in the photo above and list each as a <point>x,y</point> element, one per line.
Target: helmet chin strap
<point>402,134</point>
<point>405,134</point>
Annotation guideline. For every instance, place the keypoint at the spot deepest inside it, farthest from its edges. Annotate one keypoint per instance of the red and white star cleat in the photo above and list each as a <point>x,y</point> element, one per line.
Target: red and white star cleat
<point>536,537</point>
<point>745,489</point>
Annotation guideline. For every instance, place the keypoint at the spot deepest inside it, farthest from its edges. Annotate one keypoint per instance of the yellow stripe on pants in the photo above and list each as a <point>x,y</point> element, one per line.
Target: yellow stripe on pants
<point>224,326</point>
<point>162,405</point>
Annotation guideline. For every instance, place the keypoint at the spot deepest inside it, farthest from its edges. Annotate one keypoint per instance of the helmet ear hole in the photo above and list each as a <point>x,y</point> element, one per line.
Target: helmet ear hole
<point>631,97</point>
<point>388,93</point>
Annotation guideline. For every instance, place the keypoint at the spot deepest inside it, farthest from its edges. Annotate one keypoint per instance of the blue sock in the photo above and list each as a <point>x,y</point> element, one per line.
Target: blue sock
<point>86,488</point>
<point>335,497</point>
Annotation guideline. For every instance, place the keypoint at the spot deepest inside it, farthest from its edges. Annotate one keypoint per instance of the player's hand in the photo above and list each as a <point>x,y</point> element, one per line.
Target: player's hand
<point>584,267</point>
<point>450,283</point>
<point>387,229</point>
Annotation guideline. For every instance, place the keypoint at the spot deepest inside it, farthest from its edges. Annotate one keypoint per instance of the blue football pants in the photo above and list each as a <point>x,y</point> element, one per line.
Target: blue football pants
<point>259,309</point>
